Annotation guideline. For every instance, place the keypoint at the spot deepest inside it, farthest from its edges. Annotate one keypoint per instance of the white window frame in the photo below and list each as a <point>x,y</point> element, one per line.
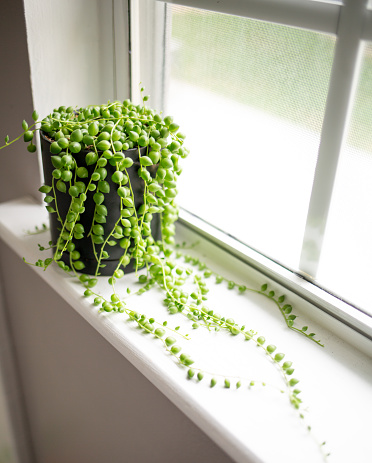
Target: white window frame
<point>351,23</point>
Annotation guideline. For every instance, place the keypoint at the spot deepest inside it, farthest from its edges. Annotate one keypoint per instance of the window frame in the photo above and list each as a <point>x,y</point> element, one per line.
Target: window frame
<point>351,22</point>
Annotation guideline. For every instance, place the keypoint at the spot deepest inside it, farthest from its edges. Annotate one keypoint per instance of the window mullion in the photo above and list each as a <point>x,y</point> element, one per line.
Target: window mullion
<point>342,87</point>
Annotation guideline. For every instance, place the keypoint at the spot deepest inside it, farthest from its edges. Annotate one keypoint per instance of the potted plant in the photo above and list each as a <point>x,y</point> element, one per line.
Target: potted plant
<point>110,182</point>
<point>110,187</point>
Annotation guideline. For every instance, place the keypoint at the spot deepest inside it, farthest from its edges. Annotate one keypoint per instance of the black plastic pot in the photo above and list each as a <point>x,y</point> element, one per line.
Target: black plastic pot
<point>112,202</point>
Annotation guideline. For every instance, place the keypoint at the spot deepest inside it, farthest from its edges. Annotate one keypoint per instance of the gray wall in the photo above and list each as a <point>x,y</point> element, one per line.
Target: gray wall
<point>19,176</point>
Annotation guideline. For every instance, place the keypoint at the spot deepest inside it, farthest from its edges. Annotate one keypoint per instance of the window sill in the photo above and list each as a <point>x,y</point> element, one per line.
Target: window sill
<point>242,422</point>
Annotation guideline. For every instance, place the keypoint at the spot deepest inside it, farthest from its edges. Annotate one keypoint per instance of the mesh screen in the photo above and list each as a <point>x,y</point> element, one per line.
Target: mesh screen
<point>250,96</point>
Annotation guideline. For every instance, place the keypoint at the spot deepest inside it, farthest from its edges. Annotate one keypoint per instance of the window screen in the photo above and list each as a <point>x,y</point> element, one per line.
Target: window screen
<point>250,96</point>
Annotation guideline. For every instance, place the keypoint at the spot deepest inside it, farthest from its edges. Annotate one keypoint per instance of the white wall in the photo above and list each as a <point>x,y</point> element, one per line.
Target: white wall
<point>70,49</point>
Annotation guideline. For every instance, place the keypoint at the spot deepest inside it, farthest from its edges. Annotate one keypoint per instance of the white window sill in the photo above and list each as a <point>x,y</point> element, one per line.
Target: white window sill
<point>256,425</point>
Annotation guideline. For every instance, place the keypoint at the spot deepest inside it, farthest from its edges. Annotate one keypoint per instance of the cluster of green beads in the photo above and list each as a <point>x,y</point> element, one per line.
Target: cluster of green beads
<point>105,133</point>
<point>285,309</point>
<point>171,277</point>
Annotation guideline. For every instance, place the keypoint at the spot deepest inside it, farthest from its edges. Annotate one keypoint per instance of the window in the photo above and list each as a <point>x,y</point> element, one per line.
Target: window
<point>264,91</point>
<point>251,94</point>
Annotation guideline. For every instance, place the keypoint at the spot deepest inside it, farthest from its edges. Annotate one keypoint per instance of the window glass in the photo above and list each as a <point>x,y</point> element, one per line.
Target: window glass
<point>346,260</point>
<point>250,97</point>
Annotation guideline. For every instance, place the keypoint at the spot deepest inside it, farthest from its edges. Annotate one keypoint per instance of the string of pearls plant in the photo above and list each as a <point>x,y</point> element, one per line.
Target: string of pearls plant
<point>100,151</point>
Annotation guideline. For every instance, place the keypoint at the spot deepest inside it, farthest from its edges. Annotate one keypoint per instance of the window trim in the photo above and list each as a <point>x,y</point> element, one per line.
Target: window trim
<point>121,45</point>
<point>306,14</point>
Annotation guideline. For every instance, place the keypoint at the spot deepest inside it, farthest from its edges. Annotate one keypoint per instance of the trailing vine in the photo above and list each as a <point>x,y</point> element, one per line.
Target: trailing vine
<point>172,277</point>
<point>111,181</point>
<point>37,230</point>
<point>285,309</point>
